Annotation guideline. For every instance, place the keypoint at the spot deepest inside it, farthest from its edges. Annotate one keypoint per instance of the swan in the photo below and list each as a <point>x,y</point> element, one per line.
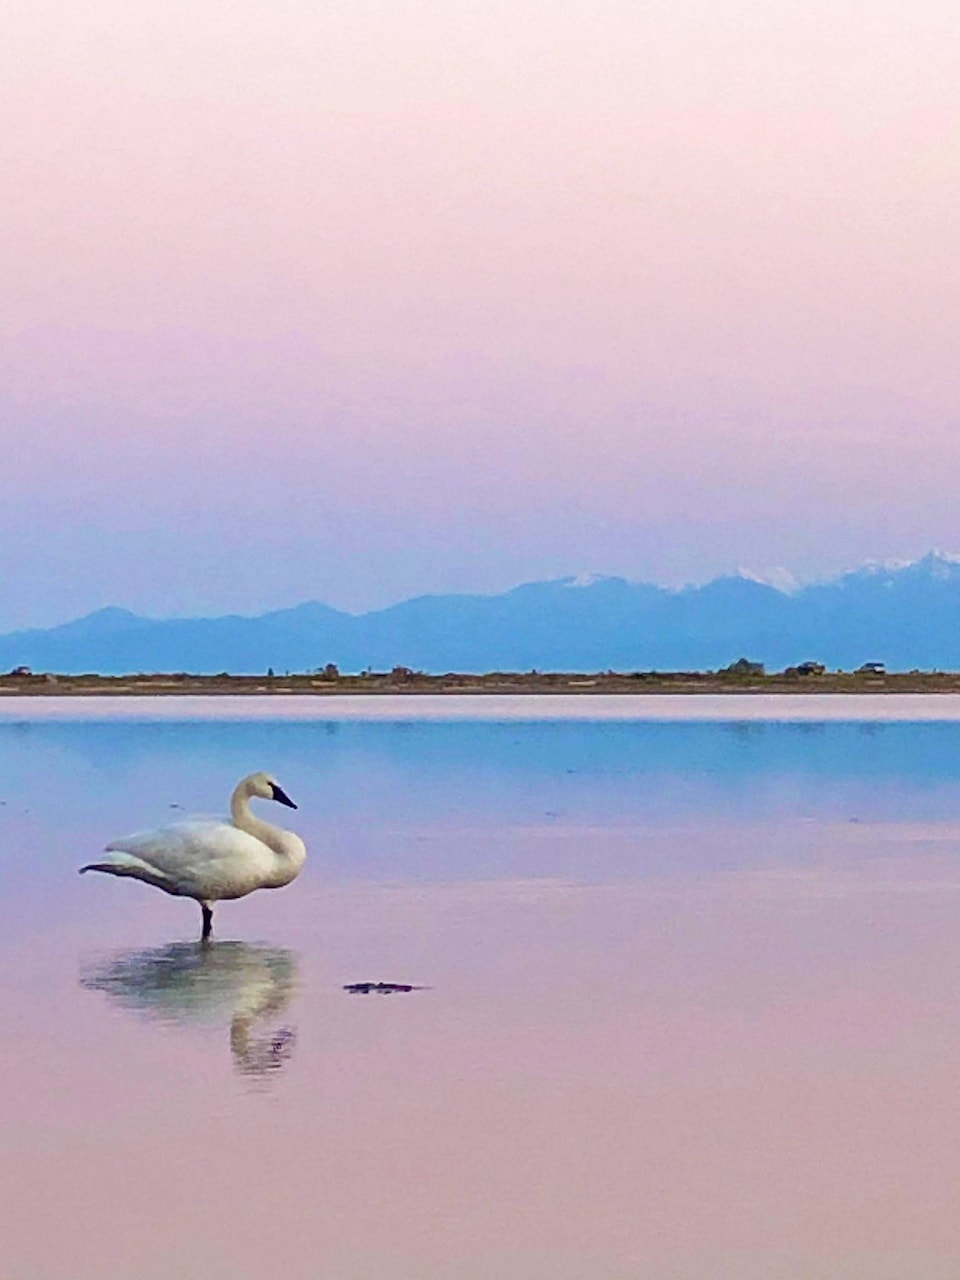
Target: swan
<point>207,859</point>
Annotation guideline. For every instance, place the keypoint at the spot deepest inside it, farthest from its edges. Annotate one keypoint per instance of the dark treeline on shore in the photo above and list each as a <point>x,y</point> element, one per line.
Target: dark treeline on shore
<point>742,676</point>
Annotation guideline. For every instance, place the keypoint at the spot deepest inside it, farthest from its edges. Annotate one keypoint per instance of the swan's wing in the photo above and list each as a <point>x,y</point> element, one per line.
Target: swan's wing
<point>198,857</point>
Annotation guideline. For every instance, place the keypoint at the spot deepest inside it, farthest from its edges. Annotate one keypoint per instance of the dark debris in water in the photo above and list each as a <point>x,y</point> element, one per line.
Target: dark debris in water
<point>380,988</point>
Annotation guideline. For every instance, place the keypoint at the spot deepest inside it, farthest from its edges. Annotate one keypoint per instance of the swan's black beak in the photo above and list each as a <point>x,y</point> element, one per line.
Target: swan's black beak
<point>281,796</point>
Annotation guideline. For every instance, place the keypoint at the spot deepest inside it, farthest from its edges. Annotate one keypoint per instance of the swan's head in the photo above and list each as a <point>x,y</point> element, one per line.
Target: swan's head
<point>264,787</point>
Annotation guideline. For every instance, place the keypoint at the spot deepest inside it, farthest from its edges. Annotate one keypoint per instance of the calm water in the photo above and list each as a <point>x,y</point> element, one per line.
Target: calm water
<point>692,1005</point>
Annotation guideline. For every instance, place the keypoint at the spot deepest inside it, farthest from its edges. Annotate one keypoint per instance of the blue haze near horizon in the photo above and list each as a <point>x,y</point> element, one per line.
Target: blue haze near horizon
<point>907,616</point>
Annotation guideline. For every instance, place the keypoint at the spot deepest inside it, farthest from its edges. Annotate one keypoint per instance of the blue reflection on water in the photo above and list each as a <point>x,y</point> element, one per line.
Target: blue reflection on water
<point>645,770</point>
<point>96,780</point>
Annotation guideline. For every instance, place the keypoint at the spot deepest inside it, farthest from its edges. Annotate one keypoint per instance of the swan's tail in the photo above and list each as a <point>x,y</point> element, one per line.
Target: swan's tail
<point>120,863</point>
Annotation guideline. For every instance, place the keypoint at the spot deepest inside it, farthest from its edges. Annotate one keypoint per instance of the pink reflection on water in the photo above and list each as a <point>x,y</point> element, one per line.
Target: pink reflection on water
<point>749,1076</point>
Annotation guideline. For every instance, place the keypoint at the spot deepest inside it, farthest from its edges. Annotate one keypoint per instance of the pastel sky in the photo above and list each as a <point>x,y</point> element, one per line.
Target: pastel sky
<point>353,299</point>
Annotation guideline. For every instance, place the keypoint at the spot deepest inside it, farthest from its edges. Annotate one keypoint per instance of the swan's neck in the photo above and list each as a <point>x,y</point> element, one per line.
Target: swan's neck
<point>244,818</point>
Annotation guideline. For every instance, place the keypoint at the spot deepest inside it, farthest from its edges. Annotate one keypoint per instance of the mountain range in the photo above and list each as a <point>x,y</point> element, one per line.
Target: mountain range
<point>906,615</point>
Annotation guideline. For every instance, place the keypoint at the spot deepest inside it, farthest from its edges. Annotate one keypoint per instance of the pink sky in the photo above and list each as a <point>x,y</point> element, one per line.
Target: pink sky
<point>356,299</point>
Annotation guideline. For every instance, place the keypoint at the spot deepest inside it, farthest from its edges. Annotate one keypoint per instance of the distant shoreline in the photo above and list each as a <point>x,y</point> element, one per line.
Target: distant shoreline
<point>412,684</point>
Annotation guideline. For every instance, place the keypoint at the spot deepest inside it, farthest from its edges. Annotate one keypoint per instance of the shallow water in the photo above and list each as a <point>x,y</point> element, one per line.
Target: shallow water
<point>719,707</point>
<point>691,1005</point>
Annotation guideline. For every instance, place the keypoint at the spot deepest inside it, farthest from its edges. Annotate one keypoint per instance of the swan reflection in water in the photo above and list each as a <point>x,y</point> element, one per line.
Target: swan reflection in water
<point>197,983</point>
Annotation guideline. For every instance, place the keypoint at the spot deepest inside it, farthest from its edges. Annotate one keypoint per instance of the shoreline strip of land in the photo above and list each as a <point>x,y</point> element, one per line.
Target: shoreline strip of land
<point>405,683</point>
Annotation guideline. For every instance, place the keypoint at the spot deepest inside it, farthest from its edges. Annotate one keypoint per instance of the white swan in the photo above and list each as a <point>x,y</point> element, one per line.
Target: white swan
<point>207,859</point>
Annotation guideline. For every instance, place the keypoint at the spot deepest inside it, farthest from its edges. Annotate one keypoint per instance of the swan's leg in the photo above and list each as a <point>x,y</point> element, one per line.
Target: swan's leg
<point>207,921</point>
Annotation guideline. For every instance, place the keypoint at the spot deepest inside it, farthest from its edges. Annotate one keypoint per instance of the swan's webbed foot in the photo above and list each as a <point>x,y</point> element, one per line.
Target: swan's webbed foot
<point>207,922</point>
